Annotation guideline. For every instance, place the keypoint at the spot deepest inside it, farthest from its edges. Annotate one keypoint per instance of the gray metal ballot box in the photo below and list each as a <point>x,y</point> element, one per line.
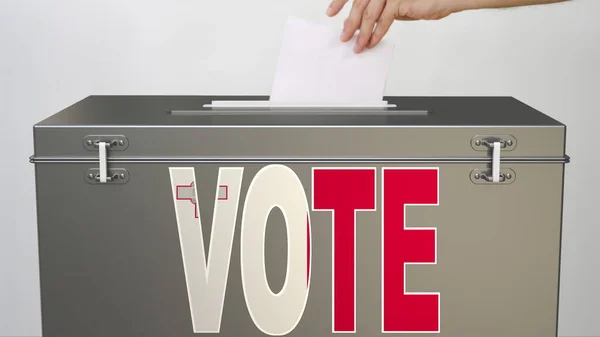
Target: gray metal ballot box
<point>178,216</point>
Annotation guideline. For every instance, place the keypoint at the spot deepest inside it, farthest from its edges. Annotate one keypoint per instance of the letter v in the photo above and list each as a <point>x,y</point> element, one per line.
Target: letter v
<point>206,279</point>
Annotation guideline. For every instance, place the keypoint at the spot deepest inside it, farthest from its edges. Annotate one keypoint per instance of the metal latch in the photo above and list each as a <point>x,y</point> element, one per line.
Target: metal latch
<point>496,144</point>
<point>102,174</point>
<point>484,176</point>
<point>113,175</point>
<point>496,147</point>
<point>115,142</point>
<point>483,143</point>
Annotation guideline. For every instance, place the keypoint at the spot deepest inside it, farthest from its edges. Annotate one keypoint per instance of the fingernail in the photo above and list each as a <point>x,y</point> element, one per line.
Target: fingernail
<point>356,48</point>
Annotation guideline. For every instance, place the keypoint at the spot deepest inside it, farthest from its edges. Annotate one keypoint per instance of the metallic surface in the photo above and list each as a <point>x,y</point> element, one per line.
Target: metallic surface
<point>155,111</point>
<point>90,159</point>
<point>308,142</point>
<point>110,261</point>
<point>153,131</point>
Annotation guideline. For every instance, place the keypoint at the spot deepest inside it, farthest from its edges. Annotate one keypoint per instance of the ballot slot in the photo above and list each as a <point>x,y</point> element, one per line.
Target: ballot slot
<point>271,104</point>
<point>300,112</point>
<point>266,108</point>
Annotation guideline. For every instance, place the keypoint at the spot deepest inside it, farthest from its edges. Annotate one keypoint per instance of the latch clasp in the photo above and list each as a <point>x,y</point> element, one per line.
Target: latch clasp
<point>485,176</point>
<point>496,143</point>
<point>113,176</point>
<point>114,142</point>
<point>490,144</point>
<point>485,142</point>
<point>102,144</point>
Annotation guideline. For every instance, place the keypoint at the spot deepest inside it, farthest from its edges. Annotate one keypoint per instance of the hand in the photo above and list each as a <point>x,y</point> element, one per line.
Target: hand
<point>365,14</point>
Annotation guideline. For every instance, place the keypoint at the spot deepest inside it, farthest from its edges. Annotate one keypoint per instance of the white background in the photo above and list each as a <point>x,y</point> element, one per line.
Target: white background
<point>54,53</point>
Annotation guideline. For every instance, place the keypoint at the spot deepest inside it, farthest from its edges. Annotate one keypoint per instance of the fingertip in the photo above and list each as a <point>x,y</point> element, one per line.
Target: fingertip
<point>344,36</point>
<point>375,39</point>
<point>330,11</point>
<point>335,7</point>
<point>360,45</point>
<point>347,33</point>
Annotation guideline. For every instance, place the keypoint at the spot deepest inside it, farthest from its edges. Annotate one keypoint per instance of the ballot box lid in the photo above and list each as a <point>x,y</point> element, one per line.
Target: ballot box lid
<point>192,126</point>
<point>191,111</point>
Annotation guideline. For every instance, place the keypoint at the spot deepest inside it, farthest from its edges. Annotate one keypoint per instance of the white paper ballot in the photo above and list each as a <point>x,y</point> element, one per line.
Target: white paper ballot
<point>315,67</point>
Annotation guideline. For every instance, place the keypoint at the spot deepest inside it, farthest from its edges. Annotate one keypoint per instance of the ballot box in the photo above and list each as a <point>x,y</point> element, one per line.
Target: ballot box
<point>191,216</point>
